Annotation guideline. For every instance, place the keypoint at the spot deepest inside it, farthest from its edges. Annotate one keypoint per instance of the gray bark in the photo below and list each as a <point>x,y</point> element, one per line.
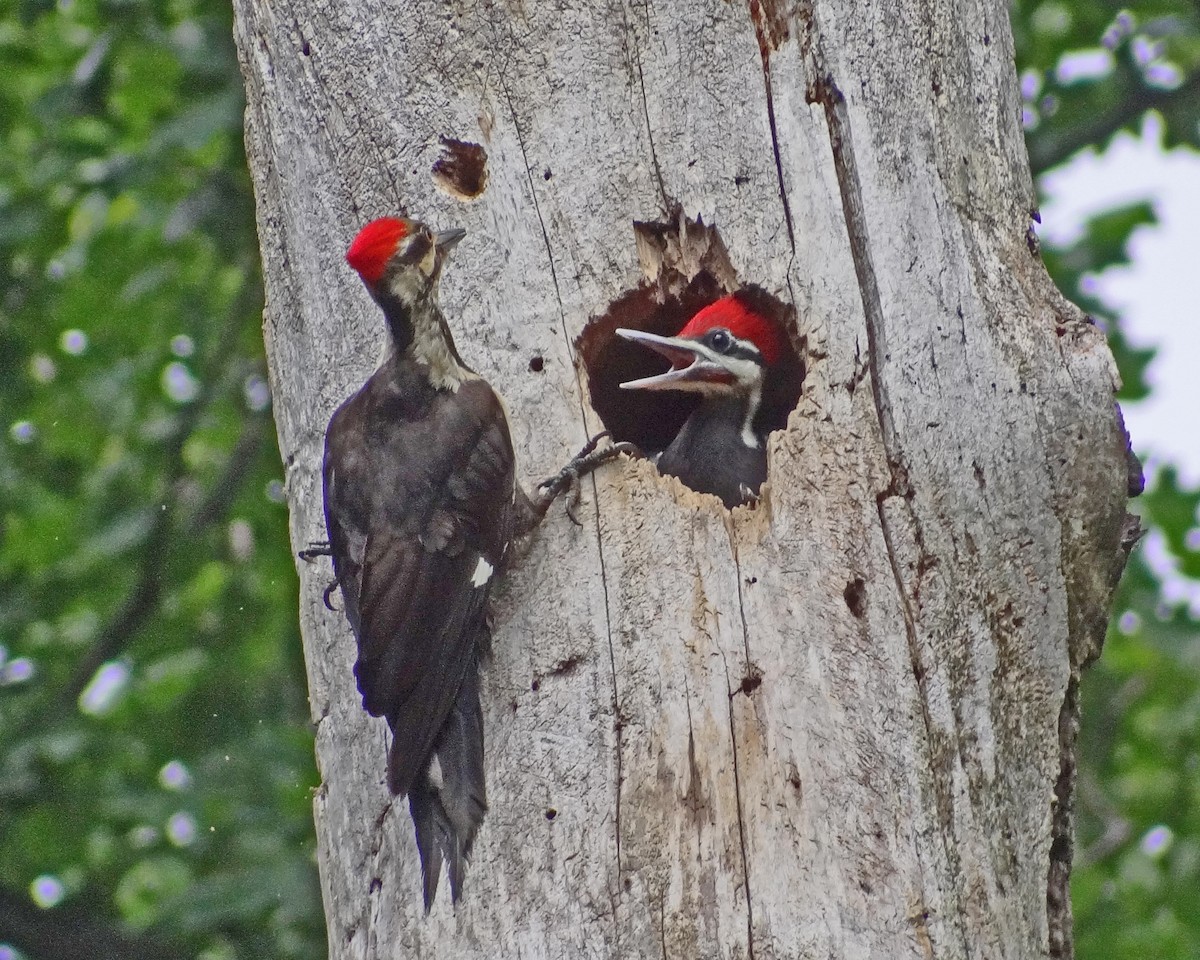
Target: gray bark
<point>837,725</point>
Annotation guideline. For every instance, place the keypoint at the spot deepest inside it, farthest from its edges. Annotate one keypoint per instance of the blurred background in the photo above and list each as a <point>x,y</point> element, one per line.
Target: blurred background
<point>156,756</point>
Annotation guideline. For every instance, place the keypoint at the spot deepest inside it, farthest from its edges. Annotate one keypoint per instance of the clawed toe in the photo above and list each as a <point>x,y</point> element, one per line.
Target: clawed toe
<point>327,594</point>
<point>315,548</point>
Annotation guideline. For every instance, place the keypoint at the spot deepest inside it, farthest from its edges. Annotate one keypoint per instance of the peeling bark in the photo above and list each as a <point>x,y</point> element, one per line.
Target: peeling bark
<point>838,724</point>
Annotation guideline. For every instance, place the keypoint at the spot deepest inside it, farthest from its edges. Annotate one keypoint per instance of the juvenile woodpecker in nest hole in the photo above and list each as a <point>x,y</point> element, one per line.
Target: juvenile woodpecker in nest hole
<point>724,354</point>
<point>421,506</point>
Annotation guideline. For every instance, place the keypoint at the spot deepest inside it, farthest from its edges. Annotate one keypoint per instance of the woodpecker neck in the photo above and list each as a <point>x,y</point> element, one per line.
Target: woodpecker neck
<point>732,410</point>
<point>718,451</point>
<point>418,330</point>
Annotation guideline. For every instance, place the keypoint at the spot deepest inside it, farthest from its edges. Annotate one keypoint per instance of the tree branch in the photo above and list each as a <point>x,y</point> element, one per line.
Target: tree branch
<point>1047,153</point>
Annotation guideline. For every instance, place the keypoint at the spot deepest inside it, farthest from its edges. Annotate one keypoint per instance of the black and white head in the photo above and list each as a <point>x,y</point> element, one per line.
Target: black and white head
<point>726,348</point>
<point>401,259</point>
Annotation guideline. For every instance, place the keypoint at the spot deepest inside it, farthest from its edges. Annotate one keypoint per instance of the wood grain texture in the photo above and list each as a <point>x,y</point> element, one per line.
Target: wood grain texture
<point>840,724</point>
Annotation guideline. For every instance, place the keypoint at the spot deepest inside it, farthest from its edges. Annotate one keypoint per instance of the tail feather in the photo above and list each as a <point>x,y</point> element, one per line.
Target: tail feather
<point>428,820</point>
<point>449,800</point>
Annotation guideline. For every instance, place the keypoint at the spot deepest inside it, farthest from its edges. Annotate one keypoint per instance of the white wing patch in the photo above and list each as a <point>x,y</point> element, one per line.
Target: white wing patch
<point>482,574</point>
<point>434,775</point>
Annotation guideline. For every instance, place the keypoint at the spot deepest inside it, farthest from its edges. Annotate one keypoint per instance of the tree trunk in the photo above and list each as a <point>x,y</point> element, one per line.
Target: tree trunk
<point>840,724</point>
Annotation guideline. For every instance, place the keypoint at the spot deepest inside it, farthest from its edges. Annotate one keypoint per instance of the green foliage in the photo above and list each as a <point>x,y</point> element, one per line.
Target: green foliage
<point>155,755</point>
<point>1147,54</point>
<point>1136,886</point>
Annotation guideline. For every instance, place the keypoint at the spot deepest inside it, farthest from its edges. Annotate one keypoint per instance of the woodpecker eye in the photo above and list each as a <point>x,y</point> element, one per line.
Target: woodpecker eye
<point>720,340</point>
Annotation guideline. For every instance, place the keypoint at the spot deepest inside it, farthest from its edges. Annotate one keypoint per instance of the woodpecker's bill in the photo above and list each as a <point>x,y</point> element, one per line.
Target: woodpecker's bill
<point>421,505</point>
<point>723,354</point>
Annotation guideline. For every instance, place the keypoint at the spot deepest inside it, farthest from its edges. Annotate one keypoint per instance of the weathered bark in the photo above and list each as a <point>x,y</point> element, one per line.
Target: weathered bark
<point>837,725</point>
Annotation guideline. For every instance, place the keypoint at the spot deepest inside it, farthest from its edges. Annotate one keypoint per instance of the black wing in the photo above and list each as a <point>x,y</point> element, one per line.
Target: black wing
<point>419,508</point>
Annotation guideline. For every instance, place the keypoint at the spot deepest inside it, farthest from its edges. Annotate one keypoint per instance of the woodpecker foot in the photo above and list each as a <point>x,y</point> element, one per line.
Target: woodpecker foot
<point>749,497</point>
<point>333,585</point>
<point>567,479</point>
<point>320,548</point>
<point>315,548</point>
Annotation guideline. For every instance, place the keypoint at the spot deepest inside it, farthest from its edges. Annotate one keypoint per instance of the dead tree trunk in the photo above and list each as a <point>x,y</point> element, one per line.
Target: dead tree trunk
<point>840,724</point>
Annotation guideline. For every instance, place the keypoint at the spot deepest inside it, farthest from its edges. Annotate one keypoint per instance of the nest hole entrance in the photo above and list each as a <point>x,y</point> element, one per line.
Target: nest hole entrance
<point>652,419</point>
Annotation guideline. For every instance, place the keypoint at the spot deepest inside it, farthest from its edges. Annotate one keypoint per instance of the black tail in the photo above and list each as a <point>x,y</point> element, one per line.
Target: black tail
<point>448,802</point>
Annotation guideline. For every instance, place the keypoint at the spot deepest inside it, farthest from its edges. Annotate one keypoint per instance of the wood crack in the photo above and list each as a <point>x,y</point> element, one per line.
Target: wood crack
<point>512,110</point>
<point>631,37</point>
<point>741,823</point>
<point>373,904</point>
<point>741,818</point>
<point>1058,879</point>
<point>662,924</point>
<point>737,570</point>
<point>764,50</point>
<point>579,394</point>
<point>823,90</point>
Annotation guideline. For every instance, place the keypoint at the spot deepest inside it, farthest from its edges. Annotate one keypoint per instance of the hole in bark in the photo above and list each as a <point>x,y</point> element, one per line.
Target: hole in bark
<point>461,170</point>
<point>856,597</point>
<point>537,364</point>
<point>536,685</point>
<point>686,268</point>
<point>551,814</point>
<point>751,683</point>
<point>771,23</point>
<point>305,48</point>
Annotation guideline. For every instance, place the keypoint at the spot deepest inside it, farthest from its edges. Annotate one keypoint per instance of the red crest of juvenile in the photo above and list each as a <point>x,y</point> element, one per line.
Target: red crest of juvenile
<point>374,246</point>
<point>732,314</point>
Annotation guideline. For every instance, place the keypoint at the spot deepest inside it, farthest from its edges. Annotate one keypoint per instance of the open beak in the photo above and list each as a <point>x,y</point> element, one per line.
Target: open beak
<point>692,364</point>
<point>446,239</point>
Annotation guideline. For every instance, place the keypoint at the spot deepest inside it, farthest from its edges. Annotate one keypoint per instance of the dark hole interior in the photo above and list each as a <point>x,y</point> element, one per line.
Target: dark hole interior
<point>461,169</point>
<point>652,419</point>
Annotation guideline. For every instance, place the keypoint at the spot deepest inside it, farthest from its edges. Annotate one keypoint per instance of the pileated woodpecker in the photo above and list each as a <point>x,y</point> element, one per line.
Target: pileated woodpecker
<point>421,505</point>
<point>723,353</point>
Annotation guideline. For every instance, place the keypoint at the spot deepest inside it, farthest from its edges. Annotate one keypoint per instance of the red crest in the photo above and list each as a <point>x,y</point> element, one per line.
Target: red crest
<point>729,312</point>
<point>374,246</point>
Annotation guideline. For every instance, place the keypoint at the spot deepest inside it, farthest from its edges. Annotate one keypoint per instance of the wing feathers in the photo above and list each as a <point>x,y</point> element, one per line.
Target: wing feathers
<point>418,498</point>
<point>447,817</point>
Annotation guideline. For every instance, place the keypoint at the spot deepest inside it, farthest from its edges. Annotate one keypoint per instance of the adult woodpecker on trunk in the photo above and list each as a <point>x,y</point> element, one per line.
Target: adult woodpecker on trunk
<point>421,505</point>
<point>723,353</point>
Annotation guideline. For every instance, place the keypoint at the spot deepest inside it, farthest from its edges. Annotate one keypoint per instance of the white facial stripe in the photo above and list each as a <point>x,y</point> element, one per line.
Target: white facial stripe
<point>748,374</point>
<point>429,261</point>
<point>483,573</point>
<point>747,371</point>
<point>749,437</point>
<point>743,367</point>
